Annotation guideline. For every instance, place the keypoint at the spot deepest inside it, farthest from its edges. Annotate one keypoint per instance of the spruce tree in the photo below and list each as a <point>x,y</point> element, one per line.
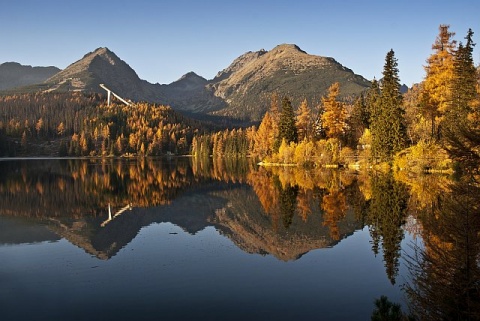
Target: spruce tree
<point>388,124</point>
<point>287,129</point>
<point>360,118</point>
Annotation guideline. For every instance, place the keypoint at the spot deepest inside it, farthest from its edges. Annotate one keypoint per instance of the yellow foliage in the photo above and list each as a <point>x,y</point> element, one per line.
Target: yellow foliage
<point>421,157</point>
<point>286,152</point>
<point>304,152</point>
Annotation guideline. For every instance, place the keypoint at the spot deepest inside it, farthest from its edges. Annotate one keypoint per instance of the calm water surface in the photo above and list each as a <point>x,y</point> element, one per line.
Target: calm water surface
<point>171,240</point>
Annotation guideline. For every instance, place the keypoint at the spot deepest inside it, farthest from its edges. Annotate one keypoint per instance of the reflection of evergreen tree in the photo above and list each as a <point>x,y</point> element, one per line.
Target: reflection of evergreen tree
<point>445,274</point>
<point>386,216</point>
<point>288,202</point>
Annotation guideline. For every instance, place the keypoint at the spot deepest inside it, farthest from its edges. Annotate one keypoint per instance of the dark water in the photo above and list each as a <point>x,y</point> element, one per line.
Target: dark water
<point>171,240</point>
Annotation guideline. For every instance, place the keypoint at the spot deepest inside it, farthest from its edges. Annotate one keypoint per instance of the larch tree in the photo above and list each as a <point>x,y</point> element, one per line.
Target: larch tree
<point>274,112</point>
<point>462,133</point>
<point>264,138</point>
<point>335,115</point>
<point>304,121</point>
<point>437,83</point>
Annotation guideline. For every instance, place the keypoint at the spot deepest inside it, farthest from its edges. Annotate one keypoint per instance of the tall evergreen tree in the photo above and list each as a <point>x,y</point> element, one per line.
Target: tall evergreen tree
<point>287,129</point>
<point>360,118</point>
<point>388,124</point>
<point>372,100</point>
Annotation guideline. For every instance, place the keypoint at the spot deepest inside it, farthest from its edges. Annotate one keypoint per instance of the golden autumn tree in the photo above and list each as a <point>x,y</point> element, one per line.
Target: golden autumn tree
<point>264,138</point>
<point>334,118</point>
<point>334,205</point>
<point>304,121</point>
<point>436,89</point>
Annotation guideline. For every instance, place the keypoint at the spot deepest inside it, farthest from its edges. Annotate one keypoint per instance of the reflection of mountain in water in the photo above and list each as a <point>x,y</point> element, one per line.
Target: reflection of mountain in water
<point>71,199</point>
<point>232,208</point>
<point>20,230</point>
<point>189,211</point>
<point>247,225</point>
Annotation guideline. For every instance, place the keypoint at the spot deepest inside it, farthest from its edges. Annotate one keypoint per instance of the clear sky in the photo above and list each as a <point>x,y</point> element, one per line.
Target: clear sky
<point>163,40</point>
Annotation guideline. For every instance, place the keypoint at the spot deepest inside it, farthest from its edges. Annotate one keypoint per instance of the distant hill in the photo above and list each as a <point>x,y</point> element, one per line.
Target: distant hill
<point>13,74</point>
<point>241,91</point>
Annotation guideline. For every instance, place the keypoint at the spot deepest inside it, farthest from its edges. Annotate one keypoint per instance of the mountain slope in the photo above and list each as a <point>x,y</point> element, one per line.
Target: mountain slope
<point>13,75</point>
<point>190,94</point>
<point>248,83</point>
<point>103,66</point>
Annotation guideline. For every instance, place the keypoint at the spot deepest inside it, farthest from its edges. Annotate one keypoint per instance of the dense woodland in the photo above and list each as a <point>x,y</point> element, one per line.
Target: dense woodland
<point>78,124</point>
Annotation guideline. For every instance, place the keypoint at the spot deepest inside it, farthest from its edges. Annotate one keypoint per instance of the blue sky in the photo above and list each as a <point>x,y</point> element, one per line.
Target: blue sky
<point>162,40</point>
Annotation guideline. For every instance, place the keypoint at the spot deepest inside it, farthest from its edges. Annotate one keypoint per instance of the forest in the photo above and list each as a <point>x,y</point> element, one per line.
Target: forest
<point>433,126</point>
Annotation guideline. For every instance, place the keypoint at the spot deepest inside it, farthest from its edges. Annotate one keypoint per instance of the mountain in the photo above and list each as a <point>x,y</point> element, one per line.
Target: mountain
<point>241,91</point>
<point>13,74</point>
<point>191,94</point>
<point>102,66</point>
<point>247,84</point>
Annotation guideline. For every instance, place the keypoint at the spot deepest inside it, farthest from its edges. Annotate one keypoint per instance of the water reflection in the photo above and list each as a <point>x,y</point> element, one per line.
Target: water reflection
<point>445,270</point>
<point>101,205</point>
<point>386,216</point>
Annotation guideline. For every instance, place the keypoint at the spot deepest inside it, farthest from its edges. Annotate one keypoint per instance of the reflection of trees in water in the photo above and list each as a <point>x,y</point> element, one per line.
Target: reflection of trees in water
<point>386,215</point>
<point>334,205</point>
<point>284,192</point>
<point>445,273</point>
<point>78,188</point>
<point>288,201</point>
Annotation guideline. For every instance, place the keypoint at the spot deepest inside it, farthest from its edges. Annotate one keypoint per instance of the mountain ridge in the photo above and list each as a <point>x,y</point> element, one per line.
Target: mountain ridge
<point>240,91</point>
<point>14,74</point>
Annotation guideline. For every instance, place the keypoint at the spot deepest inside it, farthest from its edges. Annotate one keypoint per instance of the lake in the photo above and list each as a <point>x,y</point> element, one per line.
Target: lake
<point>92,239</point>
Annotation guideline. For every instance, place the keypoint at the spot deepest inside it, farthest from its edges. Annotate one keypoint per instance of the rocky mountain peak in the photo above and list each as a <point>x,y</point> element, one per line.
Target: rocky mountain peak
<point>189,81</point>
<point>286,47</point>
<point>239,63</point>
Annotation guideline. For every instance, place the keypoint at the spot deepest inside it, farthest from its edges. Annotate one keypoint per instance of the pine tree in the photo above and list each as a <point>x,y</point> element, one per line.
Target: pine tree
<point>287,129</point>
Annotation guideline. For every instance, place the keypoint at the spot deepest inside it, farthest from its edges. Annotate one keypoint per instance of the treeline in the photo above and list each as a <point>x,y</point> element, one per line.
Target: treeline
<point>79,124</point>
<point>40,117</point>
<point>435,121</point>
<point>81,188</point>
<point>139,130</point>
